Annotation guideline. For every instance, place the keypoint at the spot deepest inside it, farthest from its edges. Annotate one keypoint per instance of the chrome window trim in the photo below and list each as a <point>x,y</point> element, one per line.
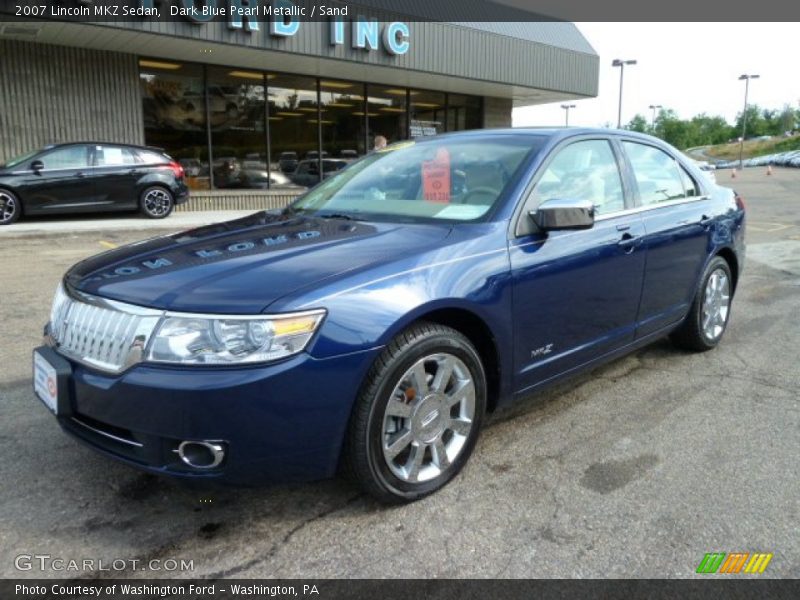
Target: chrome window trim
<point>648,207</point>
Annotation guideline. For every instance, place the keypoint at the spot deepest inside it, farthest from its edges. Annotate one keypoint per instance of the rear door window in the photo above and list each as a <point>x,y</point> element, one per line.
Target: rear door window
<point>106,156</point>
<point>658,175</point>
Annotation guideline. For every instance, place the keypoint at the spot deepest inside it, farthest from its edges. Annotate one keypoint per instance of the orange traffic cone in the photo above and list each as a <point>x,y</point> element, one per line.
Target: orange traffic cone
<point>733,173</point>
<point>769,169</point>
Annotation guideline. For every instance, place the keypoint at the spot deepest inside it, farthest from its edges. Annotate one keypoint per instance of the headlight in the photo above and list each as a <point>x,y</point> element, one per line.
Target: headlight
<point>213,340</point>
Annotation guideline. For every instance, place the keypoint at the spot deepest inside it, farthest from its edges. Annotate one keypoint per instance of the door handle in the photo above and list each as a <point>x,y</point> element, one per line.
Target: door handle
<point>134,172</point>
<point>623,227</point>
<point>628,242</point>
<point>705,220</point>
<point>80,174</point>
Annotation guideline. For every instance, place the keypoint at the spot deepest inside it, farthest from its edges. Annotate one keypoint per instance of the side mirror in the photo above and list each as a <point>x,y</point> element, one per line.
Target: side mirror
<point>37,166</point>
<point>556,214</point>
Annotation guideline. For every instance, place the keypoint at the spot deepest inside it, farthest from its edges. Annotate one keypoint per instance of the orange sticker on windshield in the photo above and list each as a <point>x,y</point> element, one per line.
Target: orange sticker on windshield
<point>436,177</point>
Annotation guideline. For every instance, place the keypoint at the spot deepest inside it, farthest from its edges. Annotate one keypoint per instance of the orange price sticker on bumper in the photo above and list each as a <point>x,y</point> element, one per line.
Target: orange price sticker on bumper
<point>436,177</point>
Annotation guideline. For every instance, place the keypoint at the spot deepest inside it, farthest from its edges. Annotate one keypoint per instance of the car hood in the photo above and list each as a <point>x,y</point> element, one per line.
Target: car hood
<point>243,266</point>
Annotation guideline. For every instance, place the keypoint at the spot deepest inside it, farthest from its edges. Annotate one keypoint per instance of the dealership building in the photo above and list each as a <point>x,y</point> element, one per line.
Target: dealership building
<point>239,95</point>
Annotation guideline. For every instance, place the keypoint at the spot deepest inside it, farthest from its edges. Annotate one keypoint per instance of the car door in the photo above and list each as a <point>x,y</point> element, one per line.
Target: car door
<point>116,172</point>
<point>575,293</point>
<point>63,184</point>
<point>677,219</point>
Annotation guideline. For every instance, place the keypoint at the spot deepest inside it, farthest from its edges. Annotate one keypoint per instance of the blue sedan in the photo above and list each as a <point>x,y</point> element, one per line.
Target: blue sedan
<point>372,325</point>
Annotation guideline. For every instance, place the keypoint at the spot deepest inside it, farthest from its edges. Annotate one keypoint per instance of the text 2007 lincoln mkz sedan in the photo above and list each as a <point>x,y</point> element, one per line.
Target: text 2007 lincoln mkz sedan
<point>373,323</point>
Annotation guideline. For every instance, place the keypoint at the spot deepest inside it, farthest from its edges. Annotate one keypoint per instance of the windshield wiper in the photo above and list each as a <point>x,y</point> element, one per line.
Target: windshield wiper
<point>339,216</point>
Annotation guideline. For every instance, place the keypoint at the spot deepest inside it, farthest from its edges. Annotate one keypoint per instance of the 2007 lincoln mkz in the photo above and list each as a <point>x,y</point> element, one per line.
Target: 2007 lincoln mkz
<point>372,324</point>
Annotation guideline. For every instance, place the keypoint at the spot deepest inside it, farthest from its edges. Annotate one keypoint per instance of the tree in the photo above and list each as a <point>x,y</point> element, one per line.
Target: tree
<point>638,123</point>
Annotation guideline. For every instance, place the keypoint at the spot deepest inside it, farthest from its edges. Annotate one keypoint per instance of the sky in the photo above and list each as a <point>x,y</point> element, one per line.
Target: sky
<point>689,67</point>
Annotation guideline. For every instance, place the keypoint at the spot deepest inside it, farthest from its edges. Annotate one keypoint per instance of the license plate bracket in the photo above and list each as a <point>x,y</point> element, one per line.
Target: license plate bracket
<point>51,381</point>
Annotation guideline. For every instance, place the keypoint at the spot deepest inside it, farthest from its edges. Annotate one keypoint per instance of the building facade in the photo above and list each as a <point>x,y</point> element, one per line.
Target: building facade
<point>246,104</point>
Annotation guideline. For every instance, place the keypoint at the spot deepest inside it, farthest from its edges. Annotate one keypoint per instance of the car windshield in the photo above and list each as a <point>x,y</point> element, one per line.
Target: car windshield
<point>454,179</point>
<point>13,162</point>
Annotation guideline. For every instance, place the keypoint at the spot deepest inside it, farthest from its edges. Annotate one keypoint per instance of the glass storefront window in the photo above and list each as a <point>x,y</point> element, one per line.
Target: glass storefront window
<point>463,112</point>
<point>386,112</point>
<point>427,113</point>
<point>173,102</point>
<point>343,119</point>
<point>293,125</point>
<point>238,128</point>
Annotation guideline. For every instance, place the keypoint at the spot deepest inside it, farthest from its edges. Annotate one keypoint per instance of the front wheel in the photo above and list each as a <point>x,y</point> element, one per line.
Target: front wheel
<point>10,208</point>
<point>417,418</point>
<point>156,202</point>
<point>708,316</point>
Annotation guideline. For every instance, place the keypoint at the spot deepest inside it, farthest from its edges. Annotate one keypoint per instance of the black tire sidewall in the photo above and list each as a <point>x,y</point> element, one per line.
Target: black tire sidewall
<point>18,210</point>
<point>717,263</point>
<point>144,210</point>
<point>380,471</point>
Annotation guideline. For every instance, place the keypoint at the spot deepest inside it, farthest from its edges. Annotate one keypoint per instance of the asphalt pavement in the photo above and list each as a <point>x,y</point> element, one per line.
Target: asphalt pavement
<point>636,469</point>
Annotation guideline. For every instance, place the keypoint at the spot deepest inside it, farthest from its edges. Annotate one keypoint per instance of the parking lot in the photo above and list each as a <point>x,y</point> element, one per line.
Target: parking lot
<point>634,470</point>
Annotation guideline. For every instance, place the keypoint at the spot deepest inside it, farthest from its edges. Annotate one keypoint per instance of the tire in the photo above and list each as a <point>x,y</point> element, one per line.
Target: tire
<point>10,207</point>
<point>403,444</point>
<point>708,316</point>
<point>156,202</point>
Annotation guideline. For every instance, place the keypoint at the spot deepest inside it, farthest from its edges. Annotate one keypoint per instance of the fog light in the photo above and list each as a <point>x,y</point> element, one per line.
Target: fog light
<point>201,455</point>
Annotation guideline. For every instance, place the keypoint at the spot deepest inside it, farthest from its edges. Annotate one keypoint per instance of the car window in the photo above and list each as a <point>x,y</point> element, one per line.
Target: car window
<point>151,158</point>
<point>585,170</point>
<point>113,155</point>
<point>68,157</point>
<point>657,174</point>
<point>689,184</point>
<point>458,179</point>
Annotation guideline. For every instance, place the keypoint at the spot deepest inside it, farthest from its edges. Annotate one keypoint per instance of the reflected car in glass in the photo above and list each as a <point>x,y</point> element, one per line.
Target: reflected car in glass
<point>307,172</point>
<point>90,177</point>
<point>371,326</point>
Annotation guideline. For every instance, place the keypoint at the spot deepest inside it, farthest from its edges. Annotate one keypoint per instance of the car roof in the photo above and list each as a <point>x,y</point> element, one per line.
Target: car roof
<point>556,132</point>
<point>96,143</point>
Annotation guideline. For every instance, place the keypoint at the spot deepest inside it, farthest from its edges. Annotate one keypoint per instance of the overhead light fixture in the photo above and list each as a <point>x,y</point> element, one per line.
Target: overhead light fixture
<point>289,114</point>
<point>308,109</point>
<point>425,104</point>
<point>323,122</point>
<point>392,109</point>
<point>399,92</point>
<point>247,75</point>
<point>360,113</point>
<point>276,118</point>
<point>340,104</point>
<point>157,64</point>
<point>336,84</point>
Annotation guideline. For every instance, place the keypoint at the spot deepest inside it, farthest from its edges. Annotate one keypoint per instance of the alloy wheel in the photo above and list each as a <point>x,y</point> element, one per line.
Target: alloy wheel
<point>716,304</point>
<point>8,207</point>
<point>428,418</point>
<point>157,202</point>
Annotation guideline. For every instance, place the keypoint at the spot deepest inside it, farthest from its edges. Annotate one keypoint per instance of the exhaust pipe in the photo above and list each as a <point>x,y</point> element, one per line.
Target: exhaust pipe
<point>201,455</point>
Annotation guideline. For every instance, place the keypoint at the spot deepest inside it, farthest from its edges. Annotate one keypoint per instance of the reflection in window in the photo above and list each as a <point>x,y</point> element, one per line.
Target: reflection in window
<point>463,112</point>
<point>656,173</point>
<point>342,120</point>
<point>292,122</point>
<point>427,113</point>
<point>386,108</point>
<point>173,102</point>
<point>238,128</point>
<point>68,157</point>
<point>583,171</point>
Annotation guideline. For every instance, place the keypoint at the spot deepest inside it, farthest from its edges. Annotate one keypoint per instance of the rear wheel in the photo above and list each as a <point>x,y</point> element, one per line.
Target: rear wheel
<point>10,207</point>
<point>708,316</point>
<point>417,418</point>
<point>156,202</point>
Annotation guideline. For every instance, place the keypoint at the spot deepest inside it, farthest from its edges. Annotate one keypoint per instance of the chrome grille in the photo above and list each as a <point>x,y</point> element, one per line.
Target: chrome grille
<point>105,334</point>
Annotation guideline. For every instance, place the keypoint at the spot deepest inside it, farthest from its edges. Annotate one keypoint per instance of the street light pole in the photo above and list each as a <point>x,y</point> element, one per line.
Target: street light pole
<point>566,107</point>
<point>747,79</point>
<point>617,62</point>
<point>653,120</point>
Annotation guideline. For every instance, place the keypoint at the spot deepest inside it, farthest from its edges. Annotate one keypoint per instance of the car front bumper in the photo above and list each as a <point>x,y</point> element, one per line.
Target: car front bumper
<point>279,422</point>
